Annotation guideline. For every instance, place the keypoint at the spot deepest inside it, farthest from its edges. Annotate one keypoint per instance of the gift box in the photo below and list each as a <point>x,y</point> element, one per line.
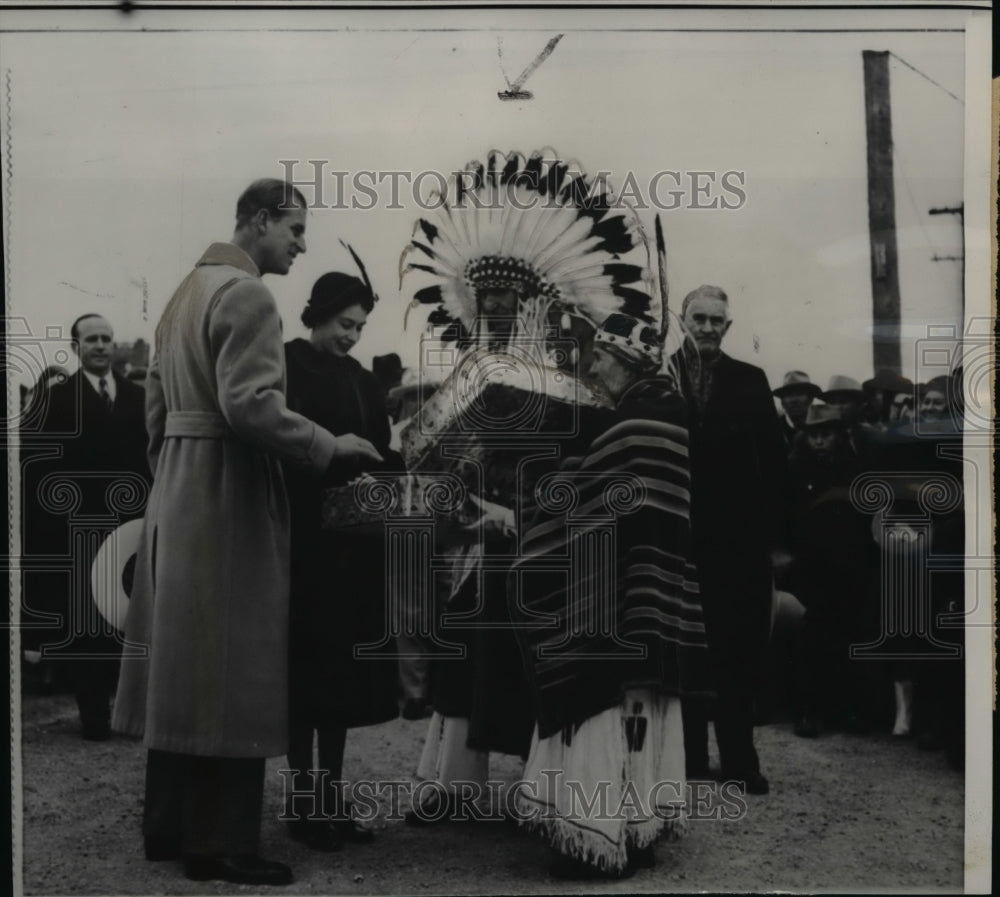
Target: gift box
<point>365,506</point>
<point>493,410</point>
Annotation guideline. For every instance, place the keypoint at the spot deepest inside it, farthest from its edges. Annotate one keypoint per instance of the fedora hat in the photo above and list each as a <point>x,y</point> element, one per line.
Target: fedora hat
<point>840,383</point>
<point>108,572</point>
<point>797,380</point>
<point>823,416</point>
<point>887,381</point>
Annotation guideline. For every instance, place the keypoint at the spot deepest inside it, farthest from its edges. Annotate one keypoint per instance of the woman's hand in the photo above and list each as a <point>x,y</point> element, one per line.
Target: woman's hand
<point>497,521</point>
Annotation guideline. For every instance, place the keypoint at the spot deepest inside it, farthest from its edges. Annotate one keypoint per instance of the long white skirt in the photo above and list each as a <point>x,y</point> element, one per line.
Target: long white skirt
<point>615,782</point>
<point>446,759</point>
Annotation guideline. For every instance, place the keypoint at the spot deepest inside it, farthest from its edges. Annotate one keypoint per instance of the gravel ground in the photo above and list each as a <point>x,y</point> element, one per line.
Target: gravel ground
<point>845,814</point>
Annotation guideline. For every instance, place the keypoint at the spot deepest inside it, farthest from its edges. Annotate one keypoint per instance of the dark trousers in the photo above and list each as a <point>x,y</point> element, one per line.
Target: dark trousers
<point>733,714</point>
<point>90,664</point>
<point>206,806</point>
<point>94,682</point>
<point>737,618</point>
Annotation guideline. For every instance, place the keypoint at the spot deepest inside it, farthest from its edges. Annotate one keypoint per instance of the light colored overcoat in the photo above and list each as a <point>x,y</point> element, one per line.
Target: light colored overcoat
<point>210,595</point>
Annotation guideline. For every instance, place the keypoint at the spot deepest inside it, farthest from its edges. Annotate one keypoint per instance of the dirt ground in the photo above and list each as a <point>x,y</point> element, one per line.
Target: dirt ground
<point>844,814</point>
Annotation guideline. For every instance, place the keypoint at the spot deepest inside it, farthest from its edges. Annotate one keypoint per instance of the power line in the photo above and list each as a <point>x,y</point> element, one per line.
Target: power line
<point>928,77</point>
<point>909,192</point>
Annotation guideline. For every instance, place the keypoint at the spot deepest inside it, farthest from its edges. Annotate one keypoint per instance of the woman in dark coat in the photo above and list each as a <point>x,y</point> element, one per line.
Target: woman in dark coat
<point>338,579</point>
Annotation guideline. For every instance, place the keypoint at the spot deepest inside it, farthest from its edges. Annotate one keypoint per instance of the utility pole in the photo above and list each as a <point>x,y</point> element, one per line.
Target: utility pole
<point>958,210</point>
<point>886,350</point>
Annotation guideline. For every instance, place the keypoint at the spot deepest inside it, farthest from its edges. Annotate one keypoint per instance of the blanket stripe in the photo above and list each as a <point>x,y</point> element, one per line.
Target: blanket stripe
<point>603,591</point>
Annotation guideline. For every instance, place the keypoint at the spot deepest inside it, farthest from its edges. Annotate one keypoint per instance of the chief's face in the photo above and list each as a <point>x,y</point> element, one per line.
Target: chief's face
<point>707,320</point>
<point>498,309</point>
<point>498,303</point>
<point>339,334</point>
<point>282,239</point>
<point>94,345</point>
<point>796,403</point>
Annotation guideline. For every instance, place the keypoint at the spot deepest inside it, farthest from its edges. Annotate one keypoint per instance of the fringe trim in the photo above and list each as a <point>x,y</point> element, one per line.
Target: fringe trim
<point>585,845</point>
<point>571,840</point>
<point>648,831</point>
<point>590,847</point>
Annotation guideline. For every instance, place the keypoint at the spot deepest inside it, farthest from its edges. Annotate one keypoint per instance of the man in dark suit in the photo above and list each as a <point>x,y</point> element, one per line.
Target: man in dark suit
<point>97,420</point>
<point>738,485</point>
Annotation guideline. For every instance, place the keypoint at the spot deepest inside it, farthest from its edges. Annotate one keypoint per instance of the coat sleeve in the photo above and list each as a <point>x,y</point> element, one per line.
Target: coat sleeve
<point>156,414</point>
<point>245,335</point>
<point>772,459</point>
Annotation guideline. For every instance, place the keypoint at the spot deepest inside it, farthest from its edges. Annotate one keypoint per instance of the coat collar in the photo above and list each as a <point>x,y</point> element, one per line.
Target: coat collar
<point>229,254</point>
<point>306,355</point>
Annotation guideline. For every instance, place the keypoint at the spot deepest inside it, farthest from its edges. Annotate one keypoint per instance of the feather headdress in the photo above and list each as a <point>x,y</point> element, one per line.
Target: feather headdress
<point>535,225</point>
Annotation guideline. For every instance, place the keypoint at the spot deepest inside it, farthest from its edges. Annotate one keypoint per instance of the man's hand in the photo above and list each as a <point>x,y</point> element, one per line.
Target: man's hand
<point>351,447</point>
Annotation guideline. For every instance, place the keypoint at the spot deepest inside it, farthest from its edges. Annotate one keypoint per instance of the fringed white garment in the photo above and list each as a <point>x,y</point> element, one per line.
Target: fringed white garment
<point>615,782</point>
<point>446,759</point>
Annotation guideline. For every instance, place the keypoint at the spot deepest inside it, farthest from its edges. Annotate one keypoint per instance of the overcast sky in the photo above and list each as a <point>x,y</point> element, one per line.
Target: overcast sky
<point>129,151</point>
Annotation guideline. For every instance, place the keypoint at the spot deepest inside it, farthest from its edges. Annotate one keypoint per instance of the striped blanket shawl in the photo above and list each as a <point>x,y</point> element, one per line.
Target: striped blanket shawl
<point>604,593</point>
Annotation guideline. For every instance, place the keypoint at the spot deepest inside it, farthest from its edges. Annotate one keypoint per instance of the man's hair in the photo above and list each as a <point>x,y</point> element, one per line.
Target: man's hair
<point>276,196</point>
<point>705,291</point>
<point>74,330</point>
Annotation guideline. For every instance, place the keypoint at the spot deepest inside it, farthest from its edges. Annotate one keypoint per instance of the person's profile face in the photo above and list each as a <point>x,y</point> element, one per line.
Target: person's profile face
<point>707,320</point>
<point>94,345</point>
<point>609,372</point>
<point>339,334</point>
<point>281,240</point>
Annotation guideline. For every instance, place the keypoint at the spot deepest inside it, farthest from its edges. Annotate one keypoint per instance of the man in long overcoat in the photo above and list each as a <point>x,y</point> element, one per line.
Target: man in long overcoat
<point>206,680</point>
<point>738,511</point>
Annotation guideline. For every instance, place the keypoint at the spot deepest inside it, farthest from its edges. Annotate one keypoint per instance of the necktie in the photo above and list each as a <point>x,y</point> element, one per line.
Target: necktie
<point>105,395</point>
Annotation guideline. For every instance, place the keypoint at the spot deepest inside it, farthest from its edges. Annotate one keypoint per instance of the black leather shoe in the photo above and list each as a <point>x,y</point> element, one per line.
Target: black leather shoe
<point>245,870</point>
<point>931,741</point>
<point>415,708</point>
<point>158,849</point>
<point>316,834</point>
<point>753,782</point>
<point>568,868</point>
<point>756,784</point>
<point>857,725</point>
<point>350,831</point>
<point>96,731</point>
<point>642,857</point>
<point>434,810</point>
<point>806,727</point>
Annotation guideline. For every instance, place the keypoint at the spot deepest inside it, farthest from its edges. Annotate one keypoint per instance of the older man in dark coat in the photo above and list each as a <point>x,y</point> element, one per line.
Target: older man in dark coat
<point>738,479</point>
